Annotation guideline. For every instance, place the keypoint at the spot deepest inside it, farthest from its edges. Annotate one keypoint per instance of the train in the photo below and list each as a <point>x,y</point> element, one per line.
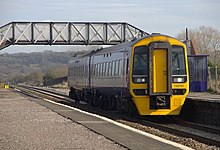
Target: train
<point>145,76</point>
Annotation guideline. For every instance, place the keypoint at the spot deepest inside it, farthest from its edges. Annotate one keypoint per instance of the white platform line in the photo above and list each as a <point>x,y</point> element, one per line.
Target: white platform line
<point>126,127</point>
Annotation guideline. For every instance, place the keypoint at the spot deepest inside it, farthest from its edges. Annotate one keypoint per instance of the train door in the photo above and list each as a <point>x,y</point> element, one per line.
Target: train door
<point>160,83</point>
<point>159,70</point>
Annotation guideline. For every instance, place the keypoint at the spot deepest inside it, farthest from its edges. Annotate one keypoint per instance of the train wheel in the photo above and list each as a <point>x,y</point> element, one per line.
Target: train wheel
<point>93,99</point>
<point>71,93</point>
<point>76,97</point>
<point>117,105</point>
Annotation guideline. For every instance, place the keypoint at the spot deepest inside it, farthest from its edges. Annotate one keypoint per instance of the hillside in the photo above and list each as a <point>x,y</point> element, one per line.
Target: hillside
<point>33,68</point>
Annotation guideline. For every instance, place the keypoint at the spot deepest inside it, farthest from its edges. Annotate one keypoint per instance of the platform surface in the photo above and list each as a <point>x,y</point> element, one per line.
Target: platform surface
<point>204,96</point>
<point>27,125</point>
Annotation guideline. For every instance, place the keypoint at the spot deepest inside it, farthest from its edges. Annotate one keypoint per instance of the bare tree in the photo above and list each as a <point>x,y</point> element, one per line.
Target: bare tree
<point>206,40</point>
<point>215,47</point>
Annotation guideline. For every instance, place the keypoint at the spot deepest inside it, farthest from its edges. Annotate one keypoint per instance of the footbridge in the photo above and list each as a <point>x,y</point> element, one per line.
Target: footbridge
<point>67,33</point>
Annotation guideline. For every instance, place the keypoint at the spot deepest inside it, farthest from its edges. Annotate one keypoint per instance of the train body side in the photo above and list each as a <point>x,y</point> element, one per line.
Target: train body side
<point>109,69</point>
<point>78,73</point>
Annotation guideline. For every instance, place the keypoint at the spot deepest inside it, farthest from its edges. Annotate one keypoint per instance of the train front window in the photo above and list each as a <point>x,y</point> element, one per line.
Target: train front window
<point>139,72</point>
<point>178,61</point>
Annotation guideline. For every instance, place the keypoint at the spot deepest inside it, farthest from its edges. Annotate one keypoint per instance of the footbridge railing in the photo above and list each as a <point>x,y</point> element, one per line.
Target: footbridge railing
<point>67,33</point>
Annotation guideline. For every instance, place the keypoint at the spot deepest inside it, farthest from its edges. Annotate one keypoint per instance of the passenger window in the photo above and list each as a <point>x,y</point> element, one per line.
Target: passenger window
<point>116,67</point>
<point>103,69</point>
<point>127,65</point>
<point>106,68</point>
<point>83,71</point>
<point>95,70</point>
<point>98,67</point>
<point>93,67</point>
<point>119,67</point>
<point>113,68</point>
<point>109,68</point>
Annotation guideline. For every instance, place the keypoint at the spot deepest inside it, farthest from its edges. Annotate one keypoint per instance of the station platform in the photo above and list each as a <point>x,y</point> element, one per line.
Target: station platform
<point>202,108</point>
<point>31,123</point>
<point>204,96</point>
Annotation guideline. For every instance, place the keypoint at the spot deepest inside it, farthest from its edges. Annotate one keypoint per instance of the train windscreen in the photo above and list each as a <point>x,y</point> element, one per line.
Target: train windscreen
<point>140,65</point>
<point>178,61</point>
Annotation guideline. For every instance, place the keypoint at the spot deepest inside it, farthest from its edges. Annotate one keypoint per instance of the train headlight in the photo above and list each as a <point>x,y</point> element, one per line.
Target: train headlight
<point>179,79</point>
<point>139,80</point>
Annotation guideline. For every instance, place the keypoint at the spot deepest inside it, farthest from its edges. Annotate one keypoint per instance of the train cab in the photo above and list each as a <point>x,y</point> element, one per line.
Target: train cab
<point>159,75</point>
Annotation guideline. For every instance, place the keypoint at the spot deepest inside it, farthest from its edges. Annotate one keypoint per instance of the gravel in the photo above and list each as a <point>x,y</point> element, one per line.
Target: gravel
<point>27,125</point>
<point>182,140</point>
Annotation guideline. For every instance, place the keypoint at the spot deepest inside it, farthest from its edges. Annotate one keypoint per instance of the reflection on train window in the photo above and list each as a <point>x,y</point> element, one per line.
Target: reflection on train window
<point>178,61</point>
<point>140,61</point>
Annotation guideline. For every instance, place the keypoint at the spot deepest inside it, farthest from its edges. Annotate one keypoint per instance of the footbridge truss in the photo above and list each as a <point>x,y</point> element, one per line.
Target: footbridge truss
<point>67,33</point>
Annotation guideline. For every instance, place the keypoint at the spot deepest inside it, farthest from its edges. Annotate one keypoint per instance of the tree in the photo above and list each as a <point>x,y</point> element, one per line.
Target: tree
<point>34,78</point>
<point>60,71</point>
<point>206,40</point>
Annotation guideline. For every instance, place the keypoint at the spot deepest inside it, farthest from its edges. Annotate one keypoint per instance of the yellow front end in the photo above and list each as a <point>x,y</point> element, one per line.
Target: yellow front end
<point>143,106</point>
<point>159,81</point>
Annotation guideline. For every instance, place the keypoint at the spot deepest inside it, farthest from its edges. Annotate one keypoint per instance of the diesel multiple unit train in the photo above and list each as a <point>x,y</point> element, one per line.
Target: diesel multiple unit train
<point>147,75</point>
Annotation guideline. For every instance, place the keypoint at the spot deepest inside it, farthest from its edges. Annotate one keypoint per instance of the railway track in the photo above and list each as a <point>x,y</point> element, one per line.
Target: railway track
<point>205,128</point>
<point>204,134</point>
<point>197,132</point>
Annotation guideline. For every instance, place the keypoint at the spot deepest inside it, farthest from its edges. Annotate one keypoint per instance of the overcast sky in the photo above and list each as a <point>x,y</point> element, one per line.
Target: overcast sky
<point>164,16</point>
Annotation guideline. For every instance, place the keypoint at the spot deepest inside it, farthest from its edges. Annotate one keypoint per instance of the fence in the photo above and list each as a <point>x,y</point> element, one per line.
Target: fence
<point>214,79</point>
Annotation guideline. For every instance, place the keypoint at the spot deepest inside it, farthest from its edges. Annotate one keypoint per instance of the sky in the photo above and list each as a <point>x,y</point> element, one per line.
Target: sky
<point>153,16</point>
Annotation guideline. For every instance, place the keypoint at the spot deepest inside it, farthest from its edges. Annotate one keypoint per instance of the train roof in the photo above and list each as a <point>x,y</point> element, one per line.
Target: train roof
<point>127,44</point>
<point>118,47</point>
<point>87,53</point>
<point>104,50</point>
